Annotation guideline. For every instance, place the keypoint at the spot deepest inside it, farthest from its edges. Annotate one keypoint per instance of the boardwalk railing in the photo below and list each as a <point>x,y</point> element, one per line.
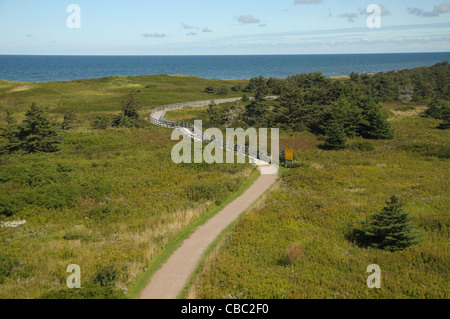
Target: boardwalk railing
<point>157,118</point>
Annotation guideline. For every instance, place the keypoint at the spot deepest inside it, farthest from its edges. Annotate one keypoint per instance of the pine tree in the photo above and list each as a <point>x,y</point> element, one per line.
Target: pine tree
<point>335,137</point>
<point>446,118</point>
<point>100,122</point>
<point>9,134</point>
<point>375,124</point>
<point>389,229</point>
<point>37,133</point>
<point>130,106</point>
<point>70,121</point>
<point>256,113</point>
<point>435,110</point>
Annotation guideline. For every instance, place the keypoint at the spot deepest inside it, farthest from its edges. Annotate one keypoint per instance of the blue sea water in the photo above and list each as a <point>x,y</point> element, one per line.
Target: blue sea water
<point>63,68</point>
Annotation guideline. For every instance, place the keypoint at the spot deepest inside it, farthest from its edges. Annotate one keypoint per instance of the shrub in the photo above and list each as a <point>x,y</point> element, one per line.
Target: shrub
<point>100,122</point>
<point>292,254</point>
<point>446,118</point>
<point>236,88</point>
<point>123,121</point>
<point>106,275</point>
<point>89,291</point>
<point>210,89</point>
<point>222,90</point>
<point>362,146</point>
<point>6,266</point>
<point>70,121</point>
<point>426,149</point>
<point>436,110</point>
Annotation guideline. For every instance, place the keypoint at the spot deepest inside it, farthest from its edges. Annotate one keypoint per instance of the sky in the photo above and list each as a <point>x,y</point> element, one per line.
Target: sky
<point>213,27</point>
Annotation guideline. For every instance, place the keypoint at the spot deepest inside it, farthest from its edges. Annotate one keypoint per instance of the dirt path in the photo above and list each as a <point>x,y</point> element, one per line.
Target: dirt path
<point>171,278</point>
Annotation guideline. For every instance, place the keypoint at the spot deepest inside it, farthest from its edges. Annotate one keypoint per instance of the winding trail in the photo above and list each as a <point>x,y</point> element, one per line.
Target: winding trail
<point>168,281</point>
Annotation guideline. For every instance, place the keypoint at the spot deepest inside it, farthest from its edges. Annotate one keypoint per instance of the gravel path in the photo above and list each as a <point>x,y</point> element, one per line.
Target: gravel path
<point>171,278</point>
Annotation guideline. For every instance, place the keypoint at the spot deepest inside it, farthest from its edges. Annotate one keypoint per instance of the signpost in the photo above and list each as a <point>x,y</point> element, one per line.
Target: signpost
<point>287,154</point>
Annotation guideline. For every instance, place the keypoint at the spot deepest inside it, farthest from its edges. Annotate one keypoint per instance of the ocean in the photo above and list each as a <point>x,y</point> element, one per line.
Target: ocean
<point>40,68</point>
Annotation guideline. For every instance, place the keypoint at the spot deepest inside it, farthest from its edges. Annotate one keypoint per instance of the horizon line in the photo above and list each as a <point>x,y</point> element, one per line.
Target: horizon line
<point>261,54</point>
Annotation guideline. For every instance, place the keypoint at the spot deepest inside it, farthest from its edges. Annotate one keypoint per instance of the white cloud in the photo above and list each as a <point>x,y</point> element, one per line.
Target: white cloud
<point>206,30</point>
<point>187,27</point>
<point>153,35</point>
<point>422,13</point>
<point>437,10</point>
<point>247,19</point>
<point>349,16</point>
<point>443,8</point>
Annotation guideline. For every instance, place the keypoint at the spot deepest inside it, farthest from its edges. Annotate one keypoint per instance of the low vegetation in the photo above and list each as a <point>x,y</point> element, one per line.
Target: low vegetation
<point>108,199</point>
<point>86,180</point>
<point>297,242</point>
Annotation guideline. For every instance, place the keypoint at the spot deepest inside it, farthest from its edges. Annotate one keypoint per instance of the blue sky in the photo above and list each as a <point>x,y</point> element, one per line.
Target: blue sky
<point>183,27</point>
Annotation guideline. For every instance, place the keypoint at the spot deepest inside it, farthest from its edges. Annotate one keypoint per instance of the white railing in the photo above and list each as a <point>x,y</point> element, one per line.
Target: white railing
<point>160,120</point>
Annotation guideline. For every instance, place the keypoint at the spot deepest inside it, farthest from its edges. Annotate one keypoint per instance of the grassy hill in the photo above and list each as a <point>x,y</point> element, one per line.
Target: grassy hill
<point>110,200</point>
<point>295,244</point>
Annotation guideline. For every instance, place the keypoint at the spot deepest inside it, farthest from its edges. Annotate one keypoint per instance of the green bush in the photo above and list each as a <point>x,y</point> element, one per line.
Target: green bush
<point>210,89</point>
<point>426,149</point>
<point>6,266</point>
<point>100,122</point>
<point>223,90</point>
<point>123,121</point>
<point>362,146</point>
<point>106,275</point>
<point>90,291</point>
<point>70,121</point>
<point>437,110</point>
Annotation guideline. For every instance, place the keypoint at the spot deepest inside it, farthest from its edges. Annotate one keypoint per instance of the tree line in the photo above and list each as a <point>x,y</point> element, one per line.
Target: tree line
<point>337,108</point>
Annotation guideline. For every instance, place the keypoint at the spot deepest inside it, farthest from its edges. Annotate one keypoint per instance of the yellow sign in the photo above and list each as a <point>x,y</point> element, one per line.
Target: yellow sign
<point>289,154</point>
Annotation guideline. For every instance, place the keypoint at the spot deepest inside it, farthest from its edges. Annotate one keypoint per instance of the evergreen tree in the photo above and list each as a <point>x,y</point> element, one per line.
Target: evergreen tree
<point>433,110</point>
<point>215,115</point>
<point>123,121</point>
<point>256,113</point>
<point>389,229</point>
<point>335,137</point>
<point>37,133</point>
<point>9,134</point>
<point>100,122</point>
<point>70,121</point>
<point>130,106</point>
<point>446,118</point>
<point>375,124</point>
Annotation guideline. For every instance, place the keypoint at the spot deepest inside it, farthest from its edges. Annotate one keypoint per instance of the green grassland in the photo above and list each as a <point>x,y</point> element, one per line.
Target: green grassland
<point>110,200</point>
<point>189,114</point>
<point>113,202</point>
<point>316,205</point>
<point>104,95</point>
